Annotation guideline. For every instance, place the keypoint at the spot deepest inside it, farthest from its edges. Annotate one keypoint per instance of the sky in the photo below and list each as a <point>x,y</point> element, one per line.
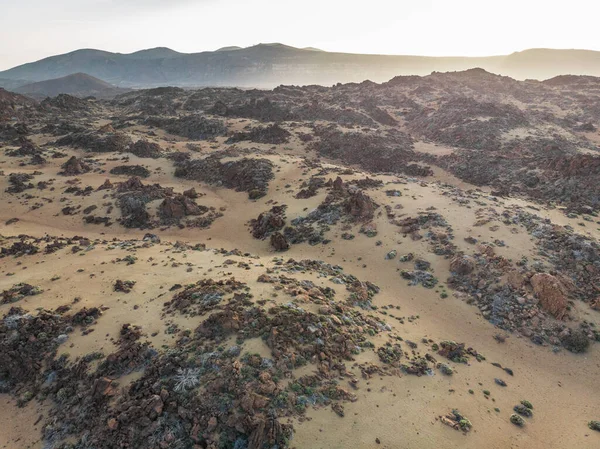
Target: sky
<point>34,29</point>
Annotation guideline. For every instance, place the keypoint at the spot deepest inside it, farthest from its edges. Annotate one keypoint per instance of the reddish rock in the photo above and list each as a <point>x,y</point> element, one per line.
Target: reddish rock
<point>104,387</point>
<point>212,424</point>
<point>360,206</point>
<point>338,184</point>
<point>155,406</point>
<point>106,186</point>
<point>265,278</point>
<point>178,207</point>
<point>191,193</point>
<point>551,293</point>
<point>279,242</point>
<point>132,184</point>
<point>268,222</point>
<point>576,165</point>
<point>108,128</point>
<point>74,167</point>
<point>462,265</point>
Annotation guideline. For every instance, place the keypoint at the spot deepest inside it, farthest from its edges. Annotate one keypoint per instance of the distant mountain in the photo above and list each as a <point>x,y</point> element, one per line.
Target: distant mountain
<point>79,85</point>
<point>268,65</point>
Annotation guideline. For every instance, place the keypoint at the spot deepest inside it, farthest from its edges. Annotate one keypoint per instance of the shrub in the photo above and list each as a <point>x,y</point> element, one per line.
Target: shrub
<point>522,410</point>
<point>517,420</point>
<point>577,341</point>
<point>527,404</point>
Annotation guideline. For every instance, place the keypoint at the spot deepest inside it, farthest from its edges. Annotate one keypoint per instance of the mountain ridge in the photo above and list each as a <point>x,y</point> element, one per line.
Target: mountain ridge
<point>272,64</point>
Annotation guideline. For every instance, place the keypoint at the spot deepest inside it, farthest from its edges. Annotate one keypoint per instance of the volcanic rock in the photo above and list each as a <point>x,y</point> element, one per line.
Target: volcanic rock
<point>279,242</point>
<point>551,293</point>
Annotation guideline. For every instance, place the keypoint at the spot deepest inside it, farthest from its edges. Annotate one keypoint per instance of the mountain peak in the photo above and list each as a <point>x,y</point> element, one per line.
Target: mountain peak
<point>152,53</point>
<point>230,48</point>
<point>275,45</point>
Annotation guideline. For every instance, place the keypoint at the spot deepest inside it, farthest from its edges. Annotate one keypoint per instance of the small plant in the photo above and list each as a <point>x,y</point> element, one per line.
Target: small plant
<point>517,420</point>
<point>523,411</point>
<point>391,354</point>
<point>486,392</point>
<point>63,395</point>
<point>594,425</point>
<point>576,341</point>
<point>465,424</point>
<point>187,379</point>
<point>457,420</point>
<point>445,369</point>
<point>130,259</point>
<point>24,399</point>
<point>527,404</point>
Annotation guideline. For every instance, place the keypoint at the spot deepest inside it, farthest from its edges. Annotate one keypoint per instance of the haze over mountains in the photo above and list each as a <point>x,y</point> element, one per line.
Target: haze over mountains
<point>269,65</point>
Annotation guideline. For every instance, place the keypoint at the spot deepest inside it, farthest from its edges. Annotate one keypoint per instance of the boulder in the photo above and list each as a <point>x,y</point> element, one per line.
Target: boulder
<point>279,242</point>
<point>74,167</point>
<point>360,206</point>
<point>178,207</point>
<point>191,193</point>
<point>106,186</point>
<point>338,184</point>
<point>551,293</point>
<point>462,265</point>
<point>268,222</point>
<point>145,149</point>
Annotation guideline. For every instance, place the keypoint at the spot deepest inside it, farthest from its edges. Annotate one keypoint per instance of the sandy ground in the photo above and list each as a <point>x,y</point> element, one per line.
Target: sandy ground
<point>402,412</point>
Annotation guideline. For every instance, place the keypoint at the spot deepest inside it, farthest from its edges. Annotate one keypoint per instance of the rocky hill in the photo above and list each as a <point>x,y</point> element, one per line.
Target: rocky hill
<point>78,85</point>
<point>13,106</point>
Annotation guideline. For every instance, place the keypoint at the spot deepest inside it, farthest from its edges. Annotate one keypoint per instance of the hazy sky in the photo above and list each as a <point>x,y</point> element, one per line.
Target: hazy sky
<point>34,29</point>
